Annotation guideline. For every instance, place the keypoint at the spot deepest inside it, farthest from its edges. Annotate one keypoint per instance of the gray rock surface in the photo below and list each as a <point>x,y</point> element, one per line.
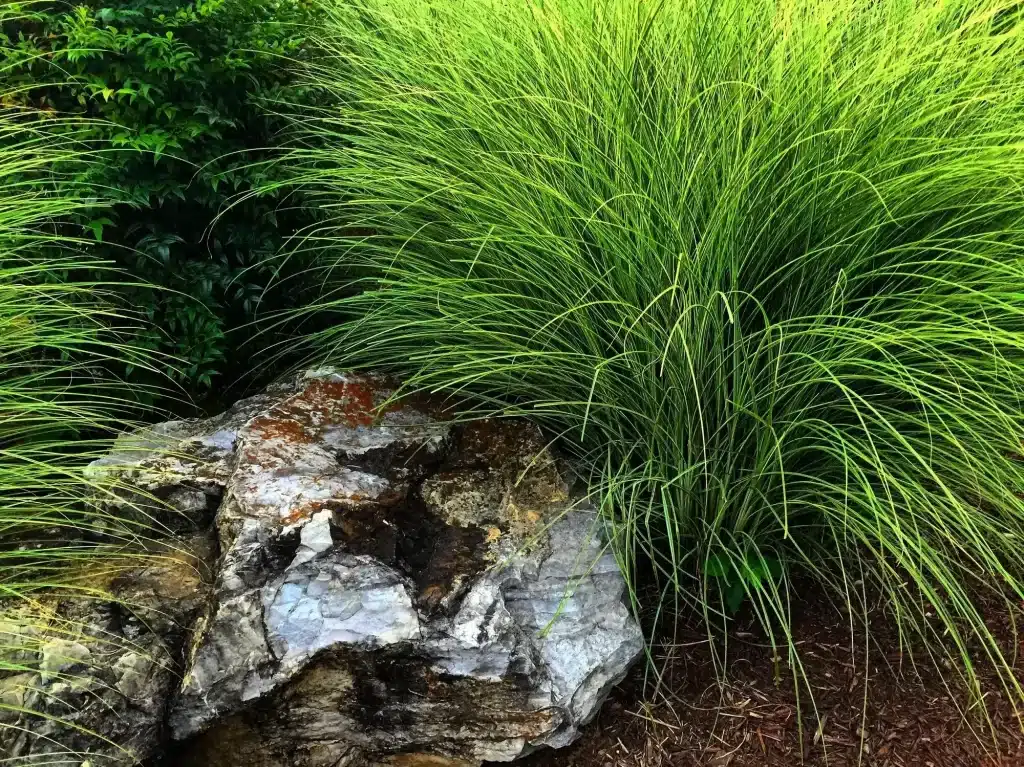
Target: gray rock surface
<point>391,588</point>
<point>87,675</point>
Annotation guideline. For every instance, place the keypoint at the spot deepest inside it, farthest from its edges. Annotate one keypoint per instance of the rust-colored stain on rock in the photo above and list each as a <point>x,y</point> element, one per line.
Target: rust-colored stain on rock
<point>425,760</point>
<point>297,515</point>
<point>323,403</point>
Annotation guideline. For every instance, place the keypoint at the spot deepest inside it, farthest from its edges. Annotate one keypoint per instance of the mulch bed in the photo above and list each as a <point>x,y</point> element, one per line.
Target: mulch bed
<point>909,718</point>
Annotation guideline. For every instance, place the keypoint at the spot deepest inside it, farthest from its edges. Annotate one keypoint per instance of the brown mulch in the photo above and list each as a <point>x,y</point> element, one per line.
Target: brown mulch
<point>908,718</point>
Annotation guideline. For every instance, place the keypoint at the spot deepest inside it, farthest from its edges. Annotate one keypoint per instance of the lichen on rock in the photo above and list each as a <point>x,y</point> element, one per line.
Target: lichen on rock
<point>89,672</point>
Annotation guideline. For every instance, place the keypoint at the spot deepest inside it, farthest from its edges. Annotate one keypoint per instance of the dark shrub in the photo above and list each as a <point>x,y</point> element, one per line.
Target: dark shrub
<point>184,92</point>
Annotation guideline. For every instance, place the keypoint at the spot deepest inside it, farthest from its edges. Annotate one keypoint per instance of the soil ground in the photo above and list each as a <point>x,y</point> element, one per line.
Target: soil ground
<point>908,718</point>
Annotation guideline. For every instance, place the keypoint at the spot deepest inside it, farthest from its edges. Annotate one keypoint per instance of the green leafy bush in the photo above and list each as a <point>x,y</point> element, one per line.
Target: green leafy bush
<point>758,263</point>
<point>181,95</point>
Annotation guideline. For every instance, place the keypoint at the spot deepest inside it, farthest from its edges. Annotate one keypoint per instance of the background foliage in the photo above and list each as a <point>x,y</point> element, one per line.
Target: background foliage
<point>182,93</point>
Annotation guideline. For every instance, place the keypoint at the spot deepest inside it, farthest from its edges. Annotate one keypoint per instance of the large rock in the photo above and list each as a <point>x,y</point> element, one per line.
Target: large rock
<point>391,588</point>
<point>89,672</point>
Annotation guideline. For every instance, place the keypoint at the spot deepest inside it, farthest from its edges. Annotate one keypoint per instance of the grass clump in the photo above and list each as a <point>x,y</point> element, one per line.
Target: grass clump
<point>758,263</point>
<point>62,344</point>
<point>60,350</point>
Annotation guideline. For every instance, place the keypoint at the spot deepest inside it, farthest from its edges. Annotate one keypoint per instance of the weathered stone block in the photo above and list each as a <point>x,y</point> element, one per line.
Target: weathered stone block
<point>391,588</point>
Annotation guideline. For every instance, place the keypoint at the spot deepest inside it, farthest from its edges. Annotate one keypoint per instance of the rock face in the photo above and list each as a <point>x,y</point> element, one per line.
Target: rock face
<point>90,671</point>
<point>391,588</point>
